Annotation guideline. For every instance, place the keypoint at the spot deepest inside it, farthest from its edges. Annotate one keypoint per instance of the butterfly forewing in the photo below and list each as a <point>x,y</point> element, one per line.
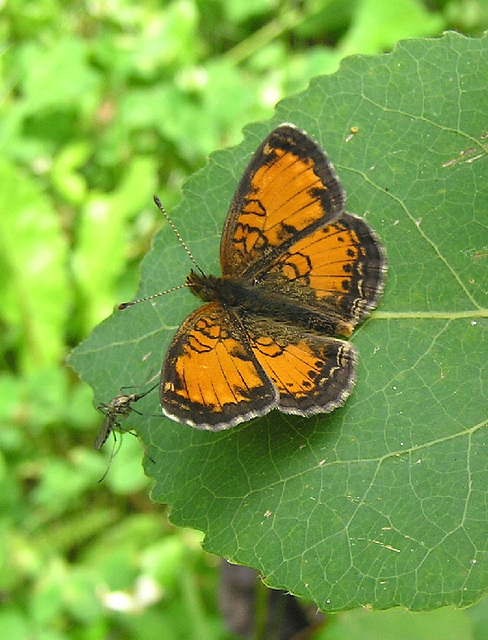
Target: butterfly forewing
<point>210,377</point>
<point>288,189</point>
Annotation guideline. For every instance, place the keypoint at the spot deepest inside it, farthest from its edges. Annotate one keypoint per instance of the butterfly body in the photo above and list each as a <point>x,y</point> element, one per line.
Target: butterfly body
<point>259,302</point>
<point>297,271</point>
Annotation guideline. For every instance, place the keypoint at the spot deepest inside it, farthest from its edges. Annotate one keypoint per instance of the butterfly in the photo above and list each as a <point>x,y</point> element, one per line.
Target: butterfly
<point>115,411</point>
<point>298,273</point>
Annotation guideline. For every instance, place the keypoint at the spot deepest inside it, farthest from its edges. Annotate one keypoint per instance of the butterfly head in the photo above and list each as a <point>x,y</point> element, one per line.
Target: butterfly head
<point>203,286</point>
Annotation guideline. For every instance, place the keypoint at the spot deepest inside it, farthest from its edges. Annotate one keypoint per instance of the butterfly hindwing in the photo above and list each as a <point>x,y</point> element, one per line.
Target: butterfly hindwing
<point>313,373</point>
<point>337,270</point>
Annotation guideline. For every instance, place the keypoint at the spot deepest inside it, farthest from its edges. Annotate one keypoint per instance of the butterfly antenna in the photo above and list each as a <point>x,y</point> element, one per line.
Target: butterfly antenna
<point>177,233</point>
<point>124,305</point>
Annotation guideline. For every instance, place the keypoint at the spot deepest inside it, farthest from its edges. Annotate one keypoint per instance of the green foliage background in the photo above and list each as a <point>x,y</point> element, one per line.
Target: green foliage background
<point>103,106</point>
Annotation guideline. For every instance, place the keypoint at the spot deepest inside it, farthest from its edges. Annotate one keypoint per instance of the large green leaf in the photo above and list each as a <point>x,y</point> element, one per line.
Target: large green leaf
<point>382,502</point>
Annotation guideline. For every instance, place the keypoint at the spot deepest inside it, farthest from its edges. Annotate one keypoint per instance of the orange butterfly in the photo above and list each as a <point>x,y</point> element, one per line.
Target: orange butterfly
<point>297,271</point>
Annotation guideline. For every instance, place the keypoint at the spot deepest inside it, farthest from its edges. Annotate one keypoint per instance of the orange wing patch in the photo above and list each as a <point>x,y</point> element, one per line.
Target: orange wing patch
<point>210,378</point>
<point>312,373</point>
<point>288,189</point>
<point>280,213</point>
<point>339,266</point>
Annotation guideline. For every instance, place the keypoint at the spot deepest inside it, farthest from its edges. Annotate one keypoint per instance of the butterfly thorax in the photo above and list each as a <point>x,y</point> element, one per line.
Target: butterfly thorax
<point>245,297</point>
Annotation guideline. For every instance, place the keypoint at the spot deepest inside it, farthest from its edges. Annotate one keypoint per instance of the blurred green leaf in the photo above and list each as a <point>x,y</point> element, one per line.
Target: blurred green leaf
<point>34,294</point>
<point>14,623</point>
<point>165,560</point>
<point>54,475</point>
<point>100,252</point>
<point>65,172</point>
<point>467,16</point>
<point>478,618</point>
<point>125,474</point>
<point>238,11</point>
<point>80,596</point>
<point>44,397</point>
<point>445,624</point>
<point>378,25</point>
<point>41,68</point>
<point>47,601</point>
<point>381,502</point>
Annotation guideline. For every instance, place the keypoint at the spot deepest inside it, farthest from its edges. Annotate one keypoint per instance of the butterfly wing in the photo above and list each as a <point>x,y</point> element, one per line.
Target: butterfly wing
<point>312,373</point>
<point>288,190</point>
<point>210,377</point>
<point>337,270</point>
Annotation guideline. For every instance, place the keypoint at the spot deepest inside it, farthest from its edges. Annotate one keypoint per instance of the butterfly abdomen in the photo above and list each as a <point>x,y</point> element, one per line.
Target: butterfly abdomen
<point>252,299</point>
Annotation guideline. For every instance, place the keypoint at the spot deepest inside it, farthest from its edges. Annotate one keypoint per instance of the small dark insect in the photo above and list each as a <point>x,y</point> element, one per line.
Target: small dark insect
<point>115,411</point>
